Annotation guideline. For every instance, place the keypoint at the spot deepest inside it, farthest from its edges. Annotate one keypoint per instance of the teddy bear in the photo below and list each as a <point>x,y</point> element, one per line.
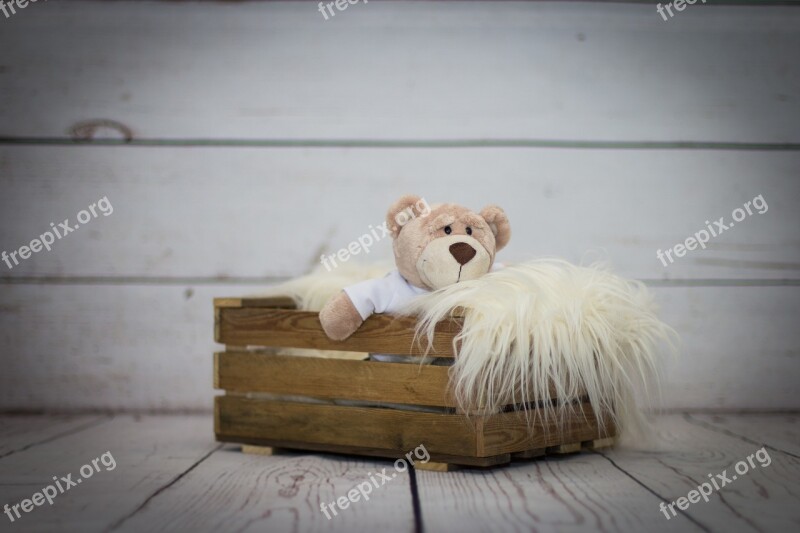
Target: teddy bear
<point>445,245</point>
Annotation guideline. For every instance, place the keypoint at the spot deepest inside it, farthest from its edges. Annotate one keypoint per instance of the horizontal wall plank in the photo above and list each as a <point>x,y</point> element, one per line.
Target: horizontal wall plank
<point>739,347</point>
<point>238,212</point>
<point>438,70</point>
<point>147,347</point>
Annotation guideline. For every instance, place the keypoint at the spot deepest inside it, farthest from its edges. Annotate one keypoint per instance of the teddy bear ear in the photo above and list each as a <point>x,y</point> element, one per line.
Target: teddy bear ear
<point>394,220</point>
<point>498,222</point>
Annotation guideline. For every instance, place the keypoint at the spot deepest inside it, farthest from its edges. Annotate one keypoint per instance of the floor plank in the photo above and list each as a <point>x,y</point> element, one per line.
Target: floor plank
<point>233,491</point>
<point>19,433</point>
<point>149,453</point>
<point>171,476</point>
<point>686,453</point>
<point>779,431</point>
<point>582,492</point>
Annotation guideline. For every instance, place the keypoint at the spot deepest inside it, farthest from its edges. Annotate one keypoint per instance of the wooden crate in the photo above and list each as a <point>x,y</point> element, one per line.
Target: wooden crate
<point>253,376</point>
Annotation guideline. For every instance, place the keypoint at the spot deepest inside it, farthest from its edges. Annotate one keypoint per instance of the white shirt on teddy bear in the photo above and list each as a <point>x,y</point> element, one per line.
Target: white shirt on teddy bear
<point>387,294</point>
<point>384,295</point>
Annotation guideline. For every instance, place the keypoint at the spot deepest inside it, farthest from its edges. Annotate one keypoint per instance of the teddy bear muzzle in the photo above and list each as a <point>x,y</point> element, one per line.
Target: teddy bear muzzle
<point>462,252</point>
<point>452,259</point>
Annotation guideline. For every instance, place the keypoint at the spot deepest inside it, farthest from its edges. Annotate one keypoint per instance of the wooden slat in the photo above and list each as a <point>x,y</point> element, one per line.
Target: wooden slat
<point>509,432</point>
<point>293,425</point>
<point>21,432</point>
<point>301,329</point>
<point>278,302</point>
<point>554,70</point>
<point>333,378</point>
<point>111,337</point>
<point>149,451</point>
<point>233,491</point>
<point>238,419</point>
<point>440,458</point>
<point>248,371</point>
<point>583,493</point>
<point>683,453</point>
<point>778,431</point>
<point>626,225</point>
<point>631,196</point>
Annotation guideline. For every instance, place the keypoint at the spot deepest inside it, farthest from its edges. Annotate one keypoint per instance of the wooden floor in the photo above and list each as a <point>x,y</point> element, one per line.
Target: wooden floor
<point>170,475</point>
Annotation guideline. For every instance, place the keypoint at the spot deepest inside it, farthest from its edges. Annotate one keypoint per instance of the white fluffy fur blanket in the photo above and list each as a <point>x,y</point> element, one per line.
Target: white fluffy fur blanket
<point>583,331</point>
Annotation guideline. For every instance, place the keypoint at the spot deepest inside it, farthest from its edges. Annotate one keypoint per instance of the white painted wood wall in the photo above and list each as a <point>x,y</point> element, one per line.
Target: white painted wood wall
<point>265,135</point>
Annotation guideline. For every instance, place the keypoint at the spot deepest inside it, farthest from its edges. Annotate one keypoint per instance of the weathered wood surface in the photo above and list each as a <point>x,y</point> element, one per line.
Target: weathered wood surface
<point>432,70</point>
<point>234,491</point>
<point>510,432</point>
<point>411,384</point>
<point>302,329</point>
<point>150,346</point>
<point>246,420</point>
<point>779,431</point>
<point>18,433</point>
<point>580,492</point>
<point>170,476</point>
<point>685,453</point>
<point>258,370</point>
<point>279,302</point>
<point>564,143</point>
<point>276,211</point>
<point>377,430</point>
<point>150,453</point>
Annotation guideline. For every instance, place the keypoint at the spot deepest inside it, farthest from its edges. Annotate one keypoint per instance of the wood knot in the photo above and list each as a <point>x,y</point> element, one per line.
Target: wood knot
<point>86,130</point>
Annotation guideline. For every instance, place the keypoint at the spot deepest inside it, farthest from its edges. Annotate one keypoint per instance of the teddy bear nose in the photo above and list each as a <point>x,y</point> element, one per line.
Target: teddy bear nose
<point>463,252</point>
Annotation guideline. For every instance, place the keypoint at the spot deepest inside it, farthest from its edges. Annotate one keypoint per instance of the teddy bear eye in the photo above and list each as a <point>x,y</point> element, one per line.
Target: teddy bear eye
<point>469,230</point>
<point>448,230</point>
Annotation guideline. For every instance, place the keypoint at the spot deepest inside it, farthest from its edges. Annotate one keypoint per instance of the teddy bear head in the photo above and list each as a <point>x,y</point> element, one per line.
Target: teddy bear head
<point>445,243</point>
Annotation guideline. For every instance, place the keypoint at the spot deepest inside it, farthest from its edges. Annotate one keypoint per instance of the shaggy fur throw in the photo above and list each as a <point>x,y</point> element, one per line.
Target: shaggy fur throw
<point>544,331</point>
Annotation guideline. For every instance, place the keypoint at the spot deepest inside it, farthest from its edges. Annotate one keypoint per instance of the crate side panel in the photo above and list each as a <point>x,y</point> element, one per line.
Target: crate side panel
<point>376,428</point>
<point>317,377</point>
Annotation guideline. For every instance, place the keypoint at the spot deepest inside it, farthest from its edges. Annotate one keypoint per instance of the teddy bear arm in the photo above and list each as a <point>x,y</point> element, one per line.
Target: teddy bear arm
<point>339,317</point>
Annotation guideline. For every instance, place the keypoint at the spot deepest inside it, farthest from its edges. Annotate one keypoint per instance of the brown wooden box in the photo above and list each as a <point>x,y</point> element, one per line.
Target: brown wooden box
<point>252,376</point>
